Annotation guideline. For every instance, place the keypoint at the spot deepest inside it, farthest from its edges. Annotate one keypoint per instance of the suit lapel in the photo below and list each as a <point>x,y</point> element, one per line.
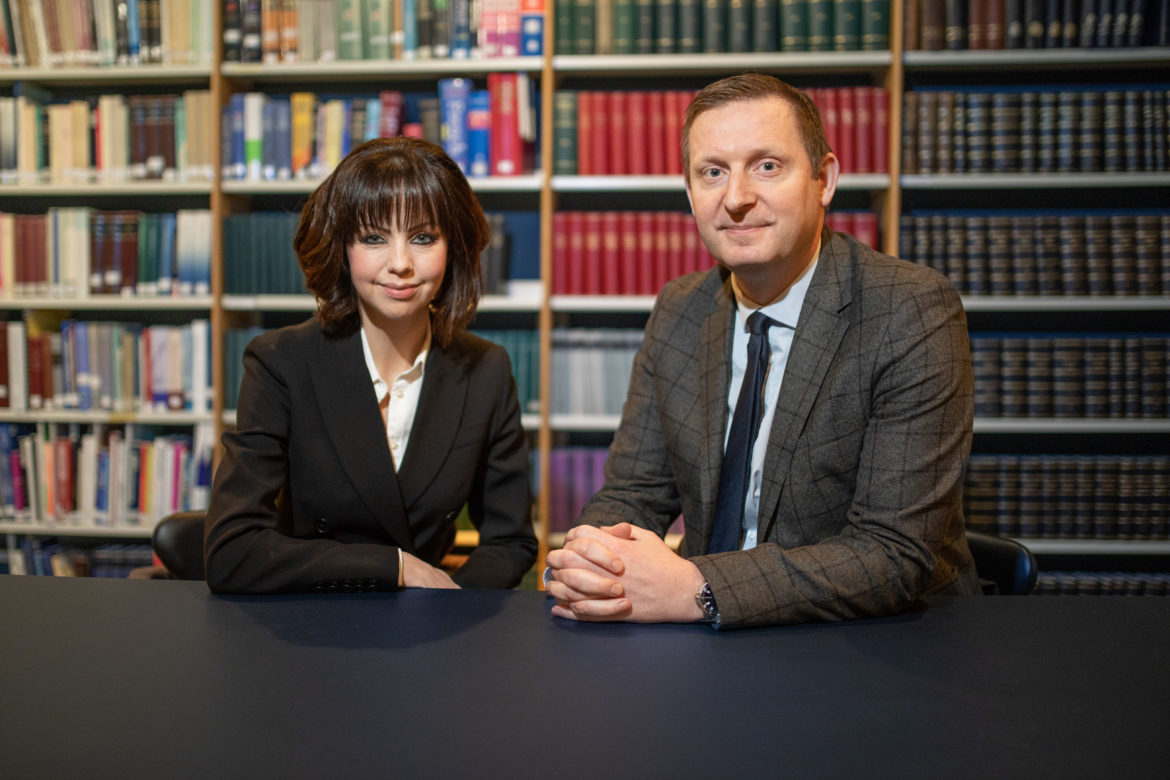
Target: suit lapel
<point>440,412</point>
<point>818,335</point>
<point>715,349</point>
<point>346,399</point>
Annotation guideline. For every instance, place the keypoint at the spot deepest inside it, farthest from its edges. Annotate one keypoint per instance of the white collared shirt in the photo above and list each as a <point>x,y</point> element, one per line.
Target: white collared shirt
<point>785,311</point>
<point>403,393</point>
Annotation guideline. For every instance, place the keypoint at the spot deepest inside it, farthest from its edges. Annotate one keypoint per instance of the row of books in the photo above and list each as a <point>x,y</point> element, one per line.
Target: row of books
<point>613,132</point>
<point>62,476</point>
<point>623,252</point>
<point>522,346</point>
<point>72,33</point>
<point>1069,496</point>
<point>713,26</point>
<point>1043,253</point>
<point>1094,375</point>
<point>259,257</point>
<point>574,475</point>
<point>76,251</point>
<point>291,31</point>
<point>591,369</point>
<point>1090,129</point>
<point>105,139</point>
<point>932,25</point>
<point>36,556</point>
<point>50,362</point>
<point>1097,583</point>
<point>304,135</point>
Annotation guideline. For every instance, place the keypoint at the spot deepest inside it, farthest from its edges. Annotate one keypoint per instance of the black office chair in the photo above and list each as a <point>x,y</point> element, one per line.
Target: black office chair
<point>1005,562</point>
<point>178,543</point>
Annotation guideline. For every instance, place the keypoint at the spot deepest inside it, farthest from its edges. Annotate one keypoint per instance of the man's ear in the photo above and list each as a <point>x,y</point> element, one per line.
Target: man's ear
<point>830,170</point>
<point>687,187</point>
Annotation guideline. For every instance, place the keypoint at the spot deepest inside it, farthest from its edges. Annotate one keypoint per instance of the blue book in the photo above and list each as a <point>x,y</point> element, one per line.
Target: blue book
<point>409,32</point>
<point>453,105</point>
<point>268,140</point>
<point>101,503</point>
<point>133,32</point>
<point>460,29</point>
<point>479,134</point>
<point>165,253</point>
<point>532,34</point>
<point>373,118</point>
<point>84,381</point>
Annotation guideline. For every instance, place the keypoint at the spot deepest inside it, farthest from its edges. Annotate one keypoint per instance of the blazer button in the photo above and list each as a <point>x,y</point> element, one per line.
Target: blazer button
<point>323,526</point>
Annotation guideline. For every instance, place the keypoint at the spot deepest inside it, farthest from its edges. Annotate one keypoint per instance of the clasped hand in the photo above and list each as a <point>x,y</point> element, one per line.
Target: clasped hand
<point>622,572</point>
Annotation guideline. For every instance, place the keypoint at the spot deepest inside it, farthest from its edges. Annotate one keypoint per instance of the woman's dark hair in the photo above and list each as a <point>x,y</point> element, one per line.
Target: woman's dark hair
<point>402,181</point>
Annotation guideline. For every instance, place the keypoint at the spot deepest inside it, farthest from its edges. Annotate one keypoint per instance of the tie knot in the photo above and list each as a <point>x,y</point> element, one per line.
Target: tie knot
<point>758,323</point>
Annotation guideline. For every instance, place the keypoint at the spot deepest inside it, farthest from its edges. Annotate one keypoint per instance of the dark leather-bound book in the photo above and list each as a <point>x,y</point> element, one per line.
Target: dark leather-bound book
<point>820,25</point>
<point>625,26</point>
<point>1005,132</point>
<point>1088,24</point>
<point>1001,275</point>
<point>1068,376</point>
<point>1013,24</point>
<point>1007,499</point>
<point>1131,401</point>
<point>1113,131</point>
<point>714,26</point>
<point>765,25</point>
<point>1013,376</point>
<point>1070,23</point>
<point>1023,249</point>
<point>666,26</point>
<point>977,23</point>
<point>1123,251</point>
<point>690,27</point>
<point>1147,255</point>
<point>956,251</point>
<point>739,33</point>
<point>1053,24</point>
<point>1089,135</point>
<point>979,132</point>
<point>943,133</point>
<point>644,40</point>
<point>910,132</point>
<point>846,25</point>
<point>1104,33</point>
<point>1098,275</point>
<point>980,487</point>
<point>1029,129</point>
<point>955,25</point>
<point>1073,277</point>
<point>1038,364</point>
<point>927,132</point>
<point>985,366</point>
<point>1135,34</point>
<point>976,232</point>
<point>1047,248</point>
<point>1068,111</point>
<point>1153,376</point>
<point>794,25</point>
<point>875,25</point>
<point>1034,26</point>
<point>911,25</point>
<point>1046,124</point>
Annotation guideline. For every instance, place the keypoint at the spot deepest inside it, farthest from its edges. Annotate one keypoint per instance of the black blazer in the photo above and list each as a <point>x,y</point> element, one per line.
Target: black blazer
<point>307,498</point>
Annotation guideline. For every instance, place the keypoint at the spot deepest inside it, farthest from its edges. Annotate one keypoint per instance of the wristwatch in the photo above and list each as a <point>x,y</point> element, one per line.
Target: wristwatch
<point>706,601</point>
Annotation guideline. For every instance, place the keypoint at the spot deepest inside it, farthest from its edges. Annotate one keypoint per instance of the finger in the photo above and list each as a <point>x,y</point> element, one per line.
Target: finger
<point>569,559</point>
<point>589,584</point>
<point>563,593</point>
<point>602,609</point>
<point>621,530</point>
<point>563,612</point>
<point>594,551</point>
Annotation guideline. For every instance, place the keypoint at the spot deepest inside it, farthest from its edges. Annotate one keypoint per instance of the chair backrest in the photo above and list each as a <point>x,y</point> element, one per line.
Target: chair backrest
<point>1006,562</point>
<point>178,543</point>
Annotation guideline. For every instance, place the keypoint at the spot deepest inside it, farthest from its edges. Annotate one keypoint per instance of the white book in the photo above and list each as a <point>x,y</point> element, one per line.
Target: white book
<point>200,379</point>
<point>7,255</point>
<point>85,492</point>
<point>17,366</point>
<point>254,134</point>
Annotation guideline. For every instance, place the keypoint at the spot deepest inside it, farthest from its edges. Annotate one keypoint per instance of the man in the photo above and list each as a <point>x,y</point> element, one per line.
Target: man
<point>847,503</point>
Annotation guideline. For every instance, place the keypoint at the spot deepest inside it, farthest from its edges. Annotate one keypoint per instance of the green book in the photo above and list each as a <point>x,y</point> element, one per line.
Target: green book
<point>584,26</point>
<point>644,26</point>
<point>564,39</point>
<point>690,26</point>
<point>666,19</point>
<point>765,25</point>
<point>714,26</point>
<point>846,25</point>
<point>875,25</point>
<point>739,37</point>
<point>565,132</point>
<point>624,26</point>
<point>794,25</point>
<point>820,25</point>
<point>349,30</point>
<point>378,29</point>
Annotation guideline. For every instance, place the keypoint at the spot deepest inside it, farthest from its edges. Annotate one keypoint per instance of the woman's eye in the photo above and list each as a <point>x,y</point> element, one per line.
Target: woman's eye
<point>371,238</point>
<point>424,239</point>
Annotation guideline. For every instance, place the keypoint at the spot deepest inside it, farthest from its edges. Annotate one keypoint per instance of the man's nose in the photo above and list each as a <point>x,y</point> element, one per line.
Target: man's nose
<point>741,191</point>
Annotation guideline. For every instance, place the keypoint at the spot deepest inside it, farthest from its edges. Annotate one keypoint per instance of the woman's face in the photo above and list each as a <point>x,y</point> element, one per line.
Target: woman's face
<point>396,272</point>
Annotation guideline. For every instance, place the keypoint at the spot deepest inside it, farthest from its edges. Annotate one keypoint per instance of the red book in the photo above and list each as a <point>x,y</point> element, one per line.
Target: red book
<point>656,131</point>
<point>994,36</point>
<point>847,129</point>
<point>47,388</point>
<point>576,230</point>
<point>125,262</point>
<point>4,402</point>
<point>863,130</point>
<point>637,124</point>
<point>101,251</point>
<point>628,254</point>
<point>560,239</point>
<point>977,13</point>
<point>661,250</point>
<point>63,474</point>
<point>592,230</point>
<point>599,137</point>
<point>137,110</point>
<point>676,104</point>
<point>610,260</point>
<point>692,259</point>
<point>507,151</point>
<point>880,106</point>
<point>392,104</point>
<point>865,228</point>
<point>585,164</point>
<point>39,253</point>
<point>618,134</point>
<point>645,257</point>
<point>677,263</point>
<point>831,117</point>
<point>36,371</point>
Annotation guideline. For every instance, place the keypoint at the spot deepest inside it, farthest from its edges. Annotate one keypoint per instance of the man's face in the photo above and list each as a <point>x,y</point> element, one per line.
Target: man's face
<point>757,204</point>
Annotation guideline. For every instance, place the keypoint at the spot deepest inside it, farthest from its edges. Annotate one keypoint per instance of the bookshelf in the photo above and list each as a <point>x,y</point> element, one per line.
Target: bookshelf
<point>542,193</point>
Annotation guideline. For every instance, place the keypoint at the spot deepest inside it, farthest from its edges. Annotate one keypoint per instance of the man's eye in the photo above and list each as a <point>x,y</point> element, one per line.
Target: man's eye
<point>769,166</point>
<point>712,173</point>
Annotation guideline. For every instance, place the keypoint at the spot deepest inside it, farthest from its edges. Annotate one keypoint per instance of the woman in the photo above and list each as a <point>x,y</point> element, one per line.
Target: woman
<point>362,432</point>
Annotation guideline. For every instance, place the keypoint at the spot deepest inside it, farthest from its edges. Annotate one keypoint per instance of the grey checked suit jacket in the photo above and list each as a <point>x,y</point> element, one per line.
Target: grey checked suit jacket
<point>860,508</point>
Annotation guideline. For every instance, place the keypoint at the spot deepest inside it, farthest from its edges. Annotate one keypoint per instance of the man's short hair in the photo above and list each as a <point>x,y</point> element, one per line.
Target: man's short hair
<point>758,86</point>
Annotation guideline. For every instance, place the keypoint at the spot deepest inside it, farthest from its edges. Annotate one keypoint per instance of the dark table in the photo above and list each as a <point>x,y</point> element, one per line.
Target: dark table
<point>139,678</point>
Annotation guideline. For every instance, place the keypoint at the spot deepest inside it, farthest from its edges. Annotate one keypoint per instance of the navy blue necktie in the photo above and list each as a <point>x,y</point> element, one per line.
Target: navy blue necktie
<point>745,424</point>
